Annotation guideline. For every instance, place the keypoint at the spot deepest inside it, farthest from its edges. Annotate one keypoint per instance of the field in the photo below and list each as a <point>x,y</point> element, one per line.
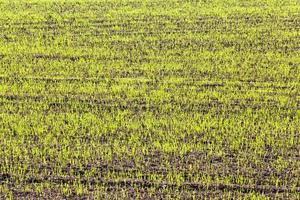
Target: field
<point>149,99</point>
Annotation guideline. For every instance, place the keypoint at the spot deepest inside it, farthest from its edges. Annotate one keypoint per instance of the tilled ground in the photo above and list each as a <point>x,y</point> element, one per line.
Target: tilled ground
<point>149,99</point>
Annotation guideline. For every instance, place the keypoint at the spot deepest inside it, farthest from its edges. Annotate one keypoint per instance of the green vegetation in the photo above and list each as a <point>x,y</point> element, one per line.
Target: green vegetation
<point>149,99</point>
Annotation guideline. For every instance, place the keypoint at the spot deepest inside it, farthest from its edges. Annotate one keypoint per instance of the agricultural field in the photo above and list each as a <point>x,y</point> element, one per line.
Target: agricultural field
<point>149,99</point>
